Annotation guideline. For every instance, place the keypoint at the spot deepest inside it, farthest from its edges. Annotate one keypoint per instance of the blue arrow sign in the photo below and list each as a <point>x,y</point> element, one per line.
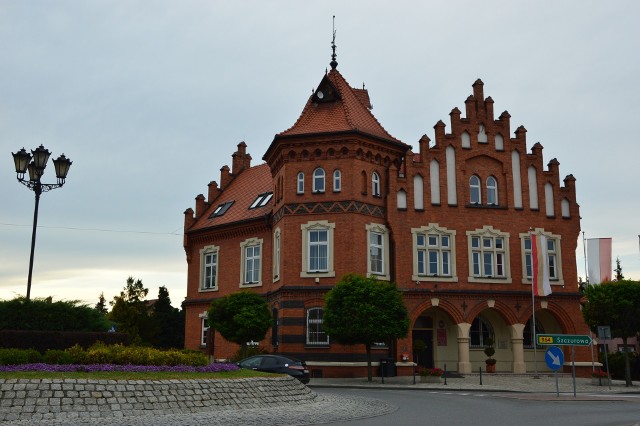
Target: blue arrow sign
<point>554,357</point>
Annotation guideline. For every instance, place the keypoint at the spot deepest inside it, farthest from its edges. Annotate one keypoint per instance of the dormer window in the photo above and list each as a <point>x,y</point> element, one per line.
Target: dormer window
<point>261,200</point>
<point>221,209</point>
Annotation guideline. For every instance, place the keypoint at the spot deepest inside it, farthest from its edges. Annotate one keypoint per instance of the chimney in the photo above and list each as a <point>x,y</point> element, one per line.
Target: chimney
<point>225,177</point>
<point>241,160</point>
<point>200,205</point>
<point>214,191</point>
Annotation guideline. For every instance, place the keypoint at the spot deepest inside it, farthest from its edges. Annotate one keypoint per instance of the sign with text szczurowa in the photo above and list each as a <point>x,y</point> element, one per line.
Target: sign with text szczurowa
<point>564,339</point>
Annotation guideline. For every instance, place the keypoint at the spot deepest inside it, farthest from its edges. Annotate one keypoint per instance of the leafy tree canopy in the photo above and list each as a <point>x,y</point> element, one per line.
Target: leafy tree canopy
<point>360,310</point>
<point>45,314</point>
<point>616,304</point>
<point>241,317</point>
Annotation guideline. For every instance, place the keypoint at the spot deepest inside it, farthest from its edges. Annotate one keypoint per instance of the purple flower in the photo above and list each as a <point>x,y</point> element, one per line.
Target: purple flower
<point>90,368</point>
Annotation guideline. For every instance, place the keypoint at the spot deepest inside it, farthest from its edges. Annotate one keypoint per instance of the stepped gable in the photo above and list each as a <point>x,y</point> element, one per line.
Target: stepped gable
<point>337,107</point>
<point>242,190</point>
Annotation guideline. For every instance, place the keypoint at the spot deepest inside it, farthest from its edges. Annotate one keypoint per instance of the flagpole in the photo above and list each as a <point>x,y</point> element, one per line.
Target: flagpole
<point>586,277</point>
<point>533,308</point>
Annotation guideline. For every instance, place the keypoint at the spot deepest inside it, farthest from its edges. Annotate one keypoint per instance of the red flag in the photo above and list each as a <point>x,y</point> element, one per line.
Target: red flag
<point>540,267</point>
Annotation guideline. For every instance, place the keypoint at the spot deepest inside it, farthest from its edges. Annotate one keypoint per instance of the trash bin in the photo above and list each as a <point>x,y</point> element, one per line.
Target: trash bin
<point>387,367</point>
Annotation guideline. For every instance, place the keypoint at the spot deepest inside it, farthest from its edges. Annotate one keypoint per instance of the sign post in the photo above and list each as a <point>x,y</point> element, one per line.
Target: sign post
<point>572,340</point>
<point>554,357</point>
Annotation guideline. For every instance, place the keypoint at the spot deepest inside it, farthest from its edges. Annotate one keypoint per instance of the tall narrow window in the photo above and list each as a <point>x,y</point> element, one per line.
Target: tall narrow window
<point>418,192</point>
<point>300,187</point>
<point>318,250</point>
<point>337,181</point>
<point>492,191</point>
<point>318,180</point>
<point>204,327</point>
<point>402,199</point>
<point>315,331</point>
<point>474,188</point>
<point>251,263</point>
<point>375,184</point>
<point>209,268</point>
<point>378,244</point>
<point>276,254</point>
<point>548,199</point>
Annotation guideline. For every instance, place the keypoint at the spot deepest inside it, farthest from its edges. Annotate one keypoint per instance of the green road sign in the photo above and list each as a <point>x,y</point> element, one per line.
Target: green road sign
<point>564,339</point>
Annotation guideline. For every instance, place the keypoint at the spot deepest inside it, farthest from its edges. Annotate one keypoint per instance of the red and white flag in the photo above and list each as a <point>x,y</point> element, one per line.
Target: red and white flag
<point>540,266</point>
<point>599,260</point>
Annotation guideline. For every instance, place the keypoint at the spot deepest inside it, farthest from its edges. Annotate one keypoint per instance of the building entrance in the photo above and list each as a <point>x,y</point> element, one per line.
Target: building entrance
<point>423,332</point>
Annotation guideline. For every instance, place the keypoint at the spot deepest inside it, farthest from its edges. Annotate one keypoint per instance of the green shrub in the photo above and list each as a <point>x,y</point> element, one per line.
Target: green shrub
<point>135,355</point>
<point>616,365</point>
<point>19,356</point>
<point>56,356</point>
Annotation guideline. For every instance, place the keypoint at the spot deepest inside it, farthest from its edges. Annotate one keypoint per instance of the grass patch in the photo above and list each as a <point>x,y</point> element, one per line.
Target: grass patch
<point>122,375</point>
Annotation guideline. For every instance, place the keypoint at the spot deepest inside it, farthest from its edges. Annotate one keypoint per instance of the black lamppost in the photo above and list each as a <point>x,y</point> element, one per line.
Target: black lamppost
<point>36,165</point>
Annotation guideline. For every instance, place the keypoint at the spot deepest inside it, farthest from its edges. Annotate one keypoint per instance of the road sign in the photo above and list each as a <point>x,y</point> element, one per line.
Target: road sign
<point>554,357</point>
<point>604,332</point>
<point>564,339</point>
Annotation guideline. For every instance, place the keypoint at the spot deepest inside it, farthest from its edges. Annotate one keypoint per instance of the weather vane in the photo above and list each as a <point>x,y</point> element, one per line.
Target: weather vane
<point>334,63</point>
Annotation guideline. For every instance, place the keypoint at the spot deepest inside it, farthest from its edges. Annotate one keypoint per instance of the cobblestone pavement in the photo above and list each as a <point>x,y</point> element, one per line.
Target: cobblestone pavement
<point>325,409</point>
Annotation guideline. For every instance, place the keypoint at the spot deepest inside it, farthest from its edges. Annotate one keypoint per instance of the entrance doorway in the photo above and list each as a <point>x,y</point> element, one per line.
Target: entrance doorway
<point>423,331</point>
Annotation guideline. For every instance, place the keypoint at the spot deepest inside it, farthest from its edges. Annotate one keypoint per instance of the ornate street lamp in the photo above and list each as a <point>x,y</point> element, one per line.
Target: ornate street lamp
<point>35,165</point>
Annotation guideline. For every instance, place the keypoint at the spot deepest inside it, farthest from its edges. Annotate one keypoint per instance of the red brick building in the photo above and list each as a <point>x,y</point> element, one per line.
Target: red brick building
<point>450,224</point>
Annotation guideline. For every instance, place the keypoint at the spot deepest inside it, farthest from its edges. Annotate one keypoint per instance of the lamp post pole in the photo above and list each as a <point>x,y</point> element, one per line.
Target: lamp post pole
<point>35,163</point>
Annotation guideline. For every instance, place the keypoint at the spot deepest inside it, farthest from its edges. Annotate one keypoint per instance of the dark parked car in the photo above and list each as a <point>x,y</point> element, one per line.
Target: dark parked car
<point>277,364</point>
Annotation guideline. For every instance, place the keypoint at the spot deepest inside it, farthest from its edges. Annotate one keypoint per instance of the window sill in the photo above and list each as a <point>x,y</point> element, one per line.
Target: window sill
<point>317,274</point>
<point>492,280</point>
<point>207,290</point>
<point>486,206</point>
<point>429,278</point>
<point>247,285</point>
<point>317,346</point>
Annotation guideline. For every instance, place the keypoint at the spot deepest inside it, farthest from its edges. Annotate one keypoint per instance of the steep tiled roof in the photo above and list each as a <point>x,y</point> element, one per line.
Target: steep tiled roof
<point>243,191</point>
<point>348,111</point>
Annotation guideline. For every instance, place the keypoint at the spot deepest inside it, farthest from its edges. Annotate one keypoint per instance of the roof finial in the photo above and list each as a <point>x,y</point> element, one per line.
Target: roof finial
<point>333,62</point>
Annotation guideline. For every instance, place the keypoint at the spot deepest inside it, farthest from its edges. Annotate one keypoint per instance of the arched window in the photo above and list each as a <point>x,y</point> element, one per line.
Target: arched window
<point>315,332</point>
<point>466,140</point>
<point>481,330</point>
<point>337,181</point>
<point>402,199</point>
<point>300,186</point>
<point>418,202</point>
<point>474,186</point>
<point>318,180</point>
<point>492,191</point>
<point>526,333</point>
<point>375,184</point>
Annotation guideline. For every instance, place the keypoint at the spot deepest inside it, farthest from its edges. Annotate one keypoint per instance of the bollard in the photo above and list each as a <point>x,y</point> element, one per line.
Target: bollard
<point>445,374</point>
<point>480,376</point>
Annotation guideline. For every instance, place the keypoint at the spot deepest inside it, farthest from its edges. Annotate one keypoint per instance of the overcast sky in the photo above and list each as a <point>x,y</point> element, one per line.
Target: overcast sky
<point>150,98</point>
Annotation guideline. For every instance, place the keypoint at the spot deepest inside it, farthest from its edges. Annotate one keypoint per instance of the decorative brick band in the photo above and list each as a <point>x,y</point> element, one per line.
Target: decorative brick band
<point>42,399</point>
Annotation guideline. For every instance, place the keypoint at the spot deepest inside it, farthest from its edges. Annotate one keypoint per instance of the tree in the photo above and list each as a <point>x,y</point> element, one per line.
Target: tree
<point>360,310</point>
<point>129,312</point>
<point>619,276</point>
<point>169,322</point>
<point>616,304</point>
<point>241,317</point>
<point>101,306</point>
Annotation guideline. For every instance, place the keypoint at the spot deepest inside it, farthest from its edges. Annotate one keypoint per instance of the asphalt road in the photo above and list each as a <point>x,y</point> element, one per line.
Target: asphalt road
<point>479,409</point>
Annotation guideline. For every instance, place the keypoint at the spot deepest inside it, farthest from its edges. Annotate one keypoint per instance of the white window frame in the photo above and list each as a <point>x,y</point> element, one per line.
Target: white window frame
<point>315,334</point>
<point>277,241</point>
<point>204,328</point>
<point>381,231</point>
<point>337,180</point>
<point>555,256</point>
<point>300,183</point>
<point>441,252</point>
<point>492,191</point>
<point>489,249</point>
<point>375,184</point>
<point>306,229</point>
<point>204,253</point>
<point>251,244</point>
<point>475,190</point>
<point>319,182</point>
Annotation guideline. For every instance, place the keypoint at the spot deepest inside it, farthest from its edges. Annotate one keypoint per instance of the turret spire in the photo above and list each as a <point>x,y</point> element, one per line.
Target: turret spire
<point>333,62</point>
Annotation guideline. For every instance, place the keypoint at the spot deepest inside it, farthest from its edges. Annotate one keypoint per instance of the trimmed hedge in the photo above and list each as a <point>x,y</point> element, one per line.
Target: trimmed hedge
<point>45,340</point>
<point>105,354</point>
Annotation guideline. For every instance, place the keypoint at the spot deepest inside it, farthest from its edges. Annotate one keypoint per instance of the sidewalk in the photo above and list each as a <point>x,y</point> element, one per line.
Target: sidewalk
<point>514,383</point>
